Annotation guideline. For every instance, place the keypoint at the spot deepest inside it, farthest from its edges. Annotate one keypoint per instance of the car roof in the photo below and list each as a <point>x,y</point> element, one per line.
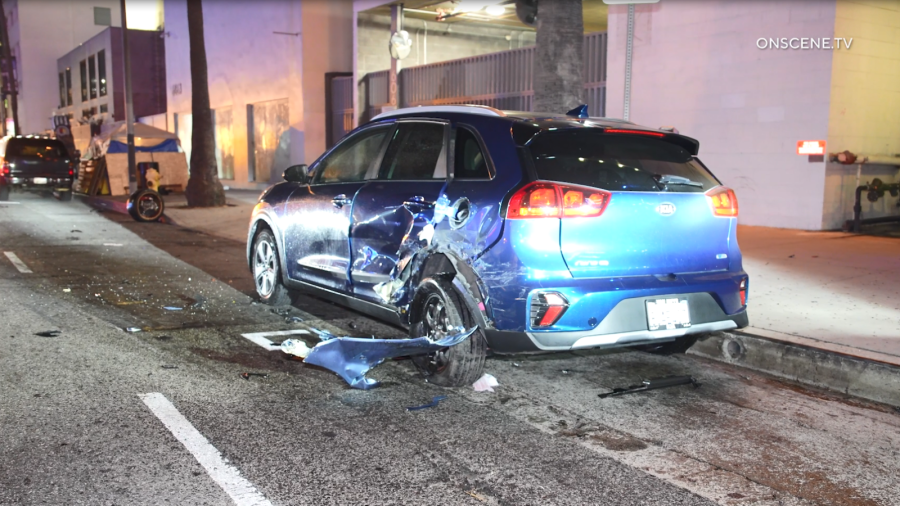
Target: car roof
<point>537,121</point>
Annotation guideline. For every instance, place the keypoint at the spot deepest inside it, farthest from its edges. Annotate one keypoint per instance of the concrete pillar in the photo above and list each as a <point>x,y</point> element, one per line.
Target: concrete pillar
<point>558,82</point>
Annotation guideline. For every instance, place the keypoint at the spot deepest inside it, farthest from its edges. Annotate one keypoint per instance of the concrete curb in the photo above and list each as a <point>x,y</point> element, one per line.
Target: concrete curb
<point>858,377</point>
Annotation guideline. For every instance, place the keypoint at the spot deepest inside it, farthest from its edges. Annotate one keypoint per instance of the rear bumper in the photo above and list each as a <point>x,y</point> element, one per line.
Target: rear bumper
<point>624,325</point>
<point>28,183</point>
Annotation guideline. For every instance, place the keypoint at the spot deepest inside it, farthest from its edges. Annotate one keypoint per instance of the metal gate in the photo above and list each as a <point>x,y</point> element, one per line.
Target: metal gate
<point>339,100</point>
<point>502,80</point>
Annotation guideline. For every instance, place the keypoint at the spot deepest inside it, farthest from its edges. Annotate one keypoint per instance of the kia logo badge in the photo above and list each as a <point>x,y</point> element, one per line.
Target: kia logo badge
<point>666,209</point>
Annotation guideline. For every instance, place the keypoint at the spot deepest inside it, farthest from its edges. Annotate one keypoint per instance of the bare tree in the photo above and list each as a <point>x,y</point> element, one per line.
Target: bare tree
<point>204,188</point>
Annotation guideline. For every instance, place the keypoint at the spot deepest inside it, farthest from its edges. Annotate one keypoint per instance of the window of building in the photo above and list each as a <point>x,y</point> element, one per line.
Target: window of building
<point>68,86</point>
<point>102,16</point>
<point>62,89</point>
<point>83,68</point>
<point>270,141</point>
<point>92,72</point>
<point>223,119</point>
<point>104,108</point>
<point>101,71</point>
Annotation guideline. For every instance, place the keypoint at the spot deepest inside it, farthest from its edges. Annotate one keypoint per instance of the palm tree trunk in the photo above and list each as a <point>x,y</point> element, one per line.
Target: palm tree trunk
<point>204,188</point>
<point>558,65</point>
<point>12,84</point>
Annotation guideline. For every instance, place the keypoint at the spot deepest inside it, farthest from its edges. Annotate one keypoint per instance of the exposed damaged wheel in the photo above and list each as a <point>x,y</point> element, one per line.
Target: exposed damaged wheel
<point>678,346</point>
<point>440,311</point>
<point>145,206</point>
<point>267,270</point>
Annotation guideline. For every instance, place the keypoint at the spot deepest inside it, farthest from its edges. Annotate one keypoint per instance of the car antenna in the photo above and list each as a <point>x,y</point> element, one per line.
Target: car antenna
<point>580,112</point>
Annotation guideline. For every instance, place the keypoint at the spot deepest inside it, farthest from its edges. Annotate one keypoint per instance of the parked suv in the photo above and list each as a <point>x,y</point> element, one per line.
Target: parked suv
<point>549,232</point>
<point>35,163</point>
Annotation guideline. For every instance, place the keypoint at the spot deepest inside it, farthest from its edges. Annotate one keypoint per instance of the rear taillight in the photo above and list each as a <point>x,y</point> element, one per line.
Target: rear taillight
<point>547,308</point>
<point>743,292</point>
<point>4,168</point>
<point>633,132</point>
<point>723,201</point>
<point>552,200</point>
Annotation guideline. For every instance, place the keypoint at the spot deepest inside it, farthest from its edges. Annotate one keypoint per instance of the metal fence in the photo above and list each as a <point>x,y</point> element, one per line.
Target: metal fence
<point>502,80</point>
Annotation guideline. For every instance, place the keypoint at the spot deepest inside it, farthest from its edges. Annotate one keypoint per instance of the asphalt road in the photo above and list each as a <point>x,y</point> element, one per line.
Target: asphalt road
<point>98,415</point>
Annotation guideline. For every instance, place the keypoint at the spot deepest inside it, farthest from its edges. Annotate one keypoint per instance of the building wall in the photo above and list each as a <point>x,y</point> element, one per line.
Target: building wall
<point>148,74</point>
<point>865,107</point>
<point>37,48</point>
<point>432,42</point>
<point>256,53</point>
<point>697,67</point>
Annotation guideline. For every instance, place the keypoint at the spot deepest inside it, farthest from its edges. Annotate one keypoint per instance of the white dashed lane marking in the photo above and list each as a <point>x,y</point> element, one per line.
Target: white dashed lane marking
<point>241,491</point>
<point>17,262</point>
<point>261,338</point>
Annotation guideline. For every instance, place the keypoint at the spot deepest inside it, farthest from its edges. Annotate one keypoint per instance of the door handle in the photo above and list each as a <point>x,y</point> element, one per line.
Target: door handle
<point>419,202</point>
<point>341,201</point>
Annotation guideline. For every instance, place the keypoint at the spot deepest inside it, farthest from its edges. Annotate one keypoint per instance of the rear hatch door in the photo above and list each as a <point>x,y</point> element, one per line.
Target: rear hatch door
<point>37,157</point>
<point>658,220</point>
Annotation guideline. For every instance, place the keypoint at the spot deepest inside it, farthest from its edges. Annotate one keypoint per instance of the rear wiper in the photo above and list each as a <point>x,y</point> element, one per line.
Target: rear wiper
<point>676,180</point>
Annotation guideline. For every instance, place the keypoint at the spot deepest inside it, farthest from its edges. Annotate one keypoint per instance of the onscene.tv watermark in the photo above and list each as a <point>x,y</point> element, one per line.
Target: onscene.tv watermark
<point>804,43</point>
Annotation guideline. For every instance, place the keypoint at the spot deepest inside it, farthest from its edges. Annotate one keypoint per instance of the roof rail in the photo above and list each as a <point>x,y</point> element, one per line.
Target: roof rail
<point>463,109</point>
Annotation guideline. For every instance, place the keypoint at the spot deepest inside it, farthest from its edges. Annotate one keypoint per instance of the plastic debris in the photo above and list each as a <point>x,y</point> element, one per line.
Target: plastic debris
<point>434,402</point>
<point>48,333</point>
<point>485,383</point>
<point>246,375</point>
<point>295,347</point>
<point>652,384</point>
<point>133,329</point>
<point>67,290</point>
<point>352,357</point>
<point>172,308</point>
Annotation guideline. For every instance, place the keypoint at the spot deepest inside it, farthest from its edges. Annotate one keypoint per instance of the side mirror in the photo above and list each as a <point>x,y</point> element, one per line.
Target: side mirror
<point>296,173</point>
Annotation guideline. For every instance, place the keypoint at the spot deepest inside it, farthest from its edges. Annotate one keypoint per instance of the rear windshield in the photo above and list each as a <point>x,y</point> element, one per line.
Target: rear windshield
<point>36,149</point>
<point>617,162</point>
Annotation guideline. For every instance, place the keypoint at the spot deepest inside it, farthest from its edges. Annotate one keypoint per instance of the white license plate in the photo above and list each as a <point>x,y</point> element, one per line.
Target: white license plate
<point>668,314</point>
<point>39,180</point>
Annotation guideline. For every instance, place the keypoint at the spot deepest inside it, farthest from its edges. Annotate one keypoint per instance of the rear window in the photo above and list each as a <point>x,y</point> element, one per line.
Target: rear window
<point>37,149</point>
<point>617,162</point>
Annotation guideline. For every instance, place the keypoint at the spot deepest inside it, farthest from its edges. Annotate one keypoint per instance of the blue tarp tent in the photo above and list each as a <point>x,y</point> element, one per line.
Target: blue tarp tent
<point>166,146</point>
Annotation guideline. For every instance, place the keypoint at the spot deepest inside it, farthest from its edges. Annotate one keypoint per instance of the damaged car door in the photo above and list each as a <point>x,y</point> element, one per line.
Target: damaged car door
<point>393,215</point>
<point>317,218</point>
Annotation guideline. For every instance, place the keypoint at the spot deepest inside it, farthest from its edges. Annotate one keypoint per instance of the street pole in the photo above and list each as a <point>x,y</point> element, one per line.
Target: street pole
<point>629,48</point>
<point>129,104</point>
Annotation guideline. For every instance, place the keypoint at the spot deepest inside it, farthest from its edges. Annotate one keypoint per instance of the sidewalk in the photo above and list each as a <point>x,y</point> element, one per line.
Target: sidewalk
<point>824,306</point>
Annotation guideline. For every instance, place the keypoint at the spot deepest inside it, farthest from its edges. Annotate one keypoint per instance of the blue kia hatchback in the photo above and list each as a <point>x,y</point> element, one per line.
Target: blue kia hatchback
<point>549,232</point>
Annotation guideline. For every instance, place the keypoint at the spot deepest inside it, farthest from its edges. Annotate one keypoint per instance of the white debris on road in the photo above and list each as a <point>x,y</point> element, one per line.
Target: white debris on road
<point>485,383</point>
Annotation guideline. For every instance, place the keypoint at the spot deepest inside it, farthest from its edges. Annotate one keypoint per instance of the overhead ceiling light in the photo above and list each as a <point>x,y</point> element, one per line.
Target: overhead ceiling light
<point>495,10</point>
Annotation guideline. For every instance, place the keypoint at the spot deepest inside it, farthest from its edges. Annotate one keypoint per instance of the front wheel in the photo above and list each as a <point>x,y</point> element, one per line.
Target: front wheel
<point>65,196</point>
<point>440,311</point>
<point>145,206</point>
<point>267,271</point>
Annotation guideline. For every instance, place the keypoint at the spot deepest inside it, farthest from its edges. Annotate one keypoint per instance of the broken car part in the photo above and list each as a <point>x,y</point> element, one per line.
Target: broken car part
<point>352,357</point>
<point>434,402</point>
<point>652,384</point>
<point>486,383</point>
<point>246,375</point>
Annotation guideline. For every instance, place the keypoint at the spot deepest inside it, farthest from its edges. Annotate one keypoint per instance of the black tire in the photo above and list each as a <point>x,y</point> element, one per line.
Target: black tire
<point>146,206</point>
<point>4,193</point>
<point>65,196</point>
<point>265,264</point>
<point>440,311</point>
<point>679,346</point>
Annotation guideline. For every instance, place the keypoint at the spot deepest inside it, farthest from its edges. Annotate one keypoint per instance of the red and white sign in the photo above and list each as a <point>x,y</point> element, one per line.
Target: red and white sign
<point>810,147</point>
